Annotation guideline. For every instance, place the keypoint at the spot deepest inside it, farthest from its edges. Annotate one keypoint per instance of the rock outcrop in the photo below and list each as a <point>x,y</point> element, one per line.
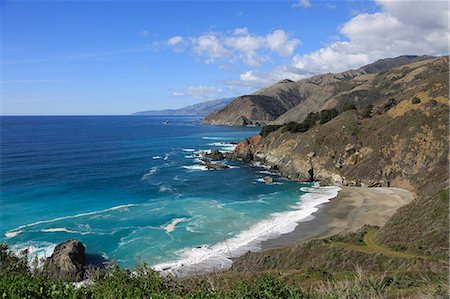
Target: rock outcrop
<point>214,155</point>
<point>400,145</point>
<point>67,261</point>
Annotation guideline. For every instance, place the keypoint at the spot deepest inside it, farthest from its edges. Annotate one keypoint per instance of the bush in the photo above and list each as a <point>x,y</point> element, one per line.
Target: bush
<point>367,111</point>
<point>347,107</point>
<point>266,130</point>
<point>327,114</point>
<point>391,103</point>
<point>416,100</point>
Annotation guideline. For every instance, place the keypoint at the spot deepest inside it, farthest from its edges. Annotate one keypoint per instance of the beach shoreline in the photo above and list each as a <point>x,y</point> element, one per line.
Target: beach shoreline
<point>352,208</point>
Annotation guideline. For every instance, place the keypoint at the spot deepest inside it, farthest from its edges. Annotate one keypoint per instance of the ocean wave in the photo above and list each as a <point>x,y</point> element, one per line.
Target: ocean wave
<point>195,167</point>
<point>69,231</point>
<point>207,258</point>
<point>269,172</point>
<point>165,188</point>
<point>189,150</point>
<point>224,146</point>
<point>35,251</point>
<point>261,180</point>
<point>216,138</point>
<point>156,157</point>
<point>171,226</point>
<point>16,231</point>
<point>151,172</point>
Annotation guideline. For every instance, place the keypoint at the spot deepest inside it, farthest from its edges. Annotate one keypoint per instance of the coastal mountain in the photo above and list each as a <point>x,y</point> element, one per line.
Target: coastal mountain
<point>200,109</point>
<point>292,101</point>
<point>398,138</point>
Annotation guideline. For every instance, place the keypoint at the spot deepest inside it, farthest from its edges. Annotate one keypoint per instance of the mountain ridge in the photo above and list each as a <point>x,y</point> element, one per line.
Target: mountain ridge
<point>273,103</point>
<point>200,109</point>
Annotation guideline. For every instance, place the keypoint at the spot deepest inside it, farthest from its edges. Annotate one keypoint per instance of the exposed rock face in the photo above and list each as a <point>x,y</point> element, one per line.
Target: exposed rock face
<point>215,155</point>
<point>404,146</point>
<point>67,261</point>
<point>213,166</point>
<point>292,101</point>
<point>268,180</point>
<point>216,166</point>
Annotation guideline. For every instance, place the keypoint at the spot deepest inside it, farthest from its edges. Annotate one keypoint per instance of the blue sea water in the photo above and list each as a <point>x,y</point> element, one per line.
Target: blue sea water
<point>131,189</point>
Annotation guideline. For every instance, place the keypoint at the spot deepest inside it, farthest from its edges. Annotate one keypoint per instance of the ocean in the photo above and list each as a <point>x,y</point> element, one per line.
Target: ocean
<point>132,190</point>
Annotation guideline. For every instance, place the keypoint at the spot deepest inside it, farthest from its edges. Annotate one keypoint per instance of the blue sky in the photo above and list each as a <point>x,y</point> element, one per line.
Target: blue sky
<point>118,57</point>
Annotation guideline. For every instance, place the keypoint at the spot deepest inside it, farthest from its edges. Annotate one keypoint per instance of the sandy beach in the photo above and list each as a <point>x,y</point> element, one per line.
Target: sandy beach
<point>350,210</point>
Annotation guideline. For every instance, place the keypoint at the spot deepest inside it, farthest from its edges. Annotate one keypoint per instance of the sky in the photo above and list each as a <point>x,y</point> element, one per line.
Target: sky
<point>119,57</point>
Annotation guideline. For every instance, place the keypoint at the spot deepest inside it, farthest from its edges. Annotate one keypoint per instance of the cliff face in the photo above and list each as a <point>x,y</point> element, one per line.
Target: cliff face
<point>292,101</point>
<point>262,106</point>
<point>402,143</point>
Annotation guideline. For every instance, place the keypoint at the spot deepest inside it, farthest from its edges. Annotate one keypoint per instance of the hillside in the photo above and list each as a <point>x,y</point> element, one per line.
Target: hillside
<point>402,143</point>
<point>200,109</point>
<point>292,101</point>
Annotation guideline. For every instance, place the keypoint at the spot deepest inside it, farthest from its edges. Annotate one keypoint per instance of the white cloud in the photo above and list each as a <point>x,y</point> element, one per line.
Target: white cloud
<point>143,33</point>
<point>278,41</point>
<point>402,27</point>
<point>200,92</point>
<point>302,3</point>
<point>209,45</point>
<point>175,40</point>
<point>251,80</point>
<point>241,45</point>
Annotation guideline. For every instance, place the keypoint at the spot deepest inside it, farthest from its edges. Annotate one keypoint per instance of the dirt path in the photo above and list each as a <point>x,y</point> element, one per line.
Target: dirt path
<point>371,245</point>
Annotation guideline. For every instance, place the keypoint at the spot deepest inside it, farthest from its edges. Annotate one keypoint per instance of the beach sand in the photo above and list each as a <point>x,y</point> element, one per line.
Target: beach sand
<point>349,211</point>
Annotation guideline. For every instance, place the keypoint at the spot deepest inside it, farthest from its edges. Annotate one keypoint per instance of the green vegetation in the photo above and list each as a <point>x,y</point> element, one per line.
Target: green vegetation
<point>367,111</point>
<point>391,103</point>
<point>347,107</point>
<point>266,130</point>
<point>415,100</point>
<point>420,227</point>
<point>311,120</point>
<point>327,115</point>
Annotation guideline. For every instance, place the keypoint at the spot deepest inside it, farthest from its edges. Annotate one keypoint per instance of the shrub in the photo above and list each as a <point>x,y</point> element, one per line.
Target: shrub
<point>367,111</point>
<point>347,107</point>
<point>327,114</point>
<point>416,100</point>
<point>391,103</point>
<point>266,130</point>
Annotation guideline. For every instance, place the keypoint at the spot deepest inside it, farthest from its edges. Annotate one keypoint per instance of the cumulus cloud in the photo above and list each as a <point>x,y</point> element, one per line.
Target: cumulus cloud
<point>402,27</point>
<point>253,79</point>
<point>241,45</point>
<point>302,3</point>
<point>200,92</point>
<point>175,40</point>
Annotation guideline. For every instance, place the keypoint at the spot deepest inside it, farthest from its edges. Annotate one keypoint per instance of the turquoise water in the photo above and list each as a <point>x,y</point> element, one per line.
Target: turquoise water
<point>131,189</point>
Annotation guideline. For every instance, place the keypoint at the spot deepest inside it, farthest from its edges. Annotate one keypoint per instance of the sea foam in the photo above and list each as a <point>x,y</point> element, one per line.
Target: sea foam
<point>211,258</point>
<point>20,229</point>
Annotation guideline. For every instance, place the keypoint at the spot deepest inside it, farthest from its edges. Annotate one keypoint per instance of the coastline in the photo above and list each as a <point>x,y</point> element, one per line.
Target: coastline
<point>348,211</point>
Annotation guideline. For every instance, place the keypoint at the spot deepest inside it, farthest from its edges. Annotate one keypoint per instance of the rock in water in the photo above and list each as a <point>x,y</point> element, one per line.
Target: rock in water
<point>268,180</point>
<point>215,155</point>
<point>67,261</point>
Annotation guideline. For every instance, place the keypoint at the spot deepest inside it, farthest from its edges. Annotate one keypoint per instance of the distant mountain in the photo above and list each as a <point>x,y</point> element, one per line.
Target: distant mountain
<point>292,101</point>
<point>200,109</point>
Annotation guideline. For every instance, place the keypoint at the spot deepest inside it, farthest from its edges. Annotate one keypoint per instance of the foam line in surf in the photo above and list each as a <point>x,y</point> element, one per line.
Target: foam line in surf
<point>219,255</point>
<point>14,232</point>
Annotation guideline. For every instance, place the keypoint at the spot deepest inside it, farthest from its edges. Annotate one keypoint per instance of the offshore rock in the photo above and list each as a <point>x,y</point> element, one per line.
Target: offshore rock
<point>67,261</point>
